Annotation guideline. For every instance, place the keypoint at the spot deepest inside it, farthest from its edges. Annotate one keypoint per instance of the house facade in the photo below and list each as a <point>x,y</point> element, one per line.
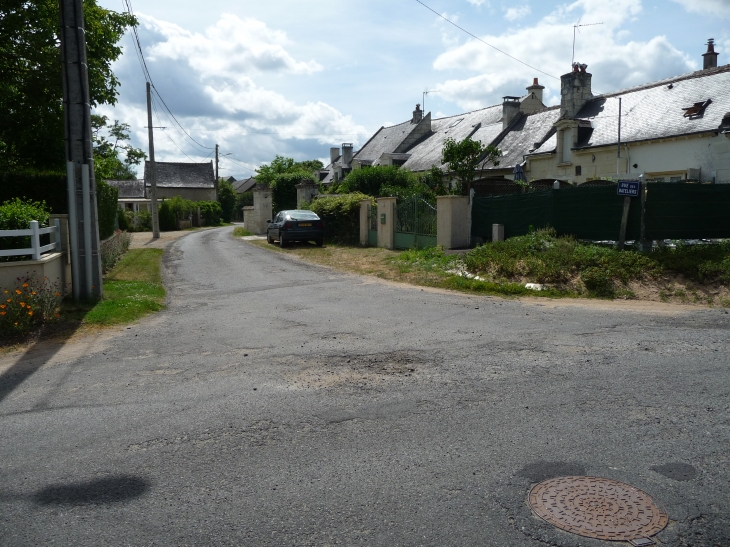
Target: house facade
<point>193,181</point>
<point>671,130</point>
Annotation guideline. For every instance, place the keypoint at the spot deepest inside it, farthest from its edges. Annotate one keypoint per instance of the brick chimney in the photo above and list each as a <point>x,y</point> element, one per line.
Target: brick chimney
<point>575,90</point>
<point>510,109</point>
<point>347,154</point>
<point>417,115</point>
<point>536,89</point>
<point>709,58</point>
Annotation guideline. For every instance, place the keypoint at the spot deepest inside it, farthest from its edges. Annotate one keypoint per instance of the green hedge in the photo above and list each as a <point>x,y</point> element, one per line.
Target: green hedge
<point>211,211</point>
<point>341,216</point>
<point>284,191</point>
<point>48,187</point>
<point>16,214</point>
<point>371,179</point>
<point>107,198</point>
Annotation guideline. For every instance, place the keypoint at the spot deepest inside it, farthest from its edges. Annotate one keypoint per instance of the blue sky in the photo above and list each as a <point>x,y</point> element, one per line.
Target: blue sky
<point>294,78</point>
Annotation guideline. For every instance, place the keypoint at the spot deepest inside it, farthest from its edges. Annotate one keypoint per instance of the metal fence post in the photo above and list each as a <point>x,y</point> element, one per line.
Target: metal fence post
<point>35,241</point>
<point>57,224</point>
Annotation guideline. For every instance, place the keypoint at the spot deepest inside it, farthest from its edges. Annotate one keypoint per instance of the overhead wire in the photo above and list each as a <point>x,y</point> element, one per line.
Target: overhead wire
<point>486,43</point>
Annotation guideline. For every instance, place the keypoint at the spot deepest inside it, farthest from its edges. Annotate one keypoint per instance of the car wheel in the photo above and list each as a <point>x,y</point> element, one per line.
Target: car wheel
<point>282,241</point>
<point>269,238</point>
<point>319,241</point>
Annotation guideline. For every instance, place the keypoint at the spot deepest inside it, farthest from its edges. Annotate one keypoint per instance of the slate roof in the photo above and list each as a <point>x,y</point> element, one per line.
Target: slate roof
<point>182,175</point>
<point>129,189</point>
<point>385,141</point>
<point>241,186</point>
<point>525,134</point>
<point>655,110</point>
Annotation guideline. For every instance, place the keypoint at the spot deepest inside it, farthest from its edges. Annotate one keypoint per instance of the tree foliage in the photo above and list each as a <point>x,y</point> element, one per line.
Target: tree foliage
<point>281,165</point>
<point>227,198</point>
<point>108,165</point>
<point>31,91</point>
<point>341,216</point>
<point>466,157</point>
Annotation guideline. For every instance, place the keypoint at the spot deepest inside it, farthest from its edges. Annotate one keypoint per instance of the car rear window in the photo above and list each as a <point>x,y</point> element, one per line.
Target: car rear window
<point>303,215</point>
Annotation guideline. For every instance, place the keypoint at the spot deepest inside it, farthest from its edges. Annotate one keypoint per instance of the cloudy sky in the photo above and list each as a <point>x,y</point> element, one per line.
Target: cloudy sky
<point>288,77</point>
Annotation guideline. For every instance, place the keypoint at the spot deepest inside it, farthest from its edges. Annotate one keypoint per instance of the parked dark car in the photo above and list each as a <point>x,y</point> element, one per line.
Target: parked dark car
<point>295,225</point>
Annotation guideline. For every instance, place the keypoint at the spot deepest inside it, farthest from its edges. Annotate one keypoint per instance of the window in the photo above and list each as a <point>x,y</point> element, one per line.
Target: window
<point>457,122</point>
<point>578,170</point>
<point>675,179</point>
<point>697,109</point>
<point>567,144</point>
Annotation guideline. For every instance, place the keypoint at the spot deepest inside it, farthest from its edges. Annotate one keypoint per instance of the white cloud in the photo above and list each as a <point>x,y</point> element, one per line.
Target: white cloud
<point>232,45</point>
<point>714,7</point>
<point>478,3</point>
<point>548,46</point>
<point>512,14</point>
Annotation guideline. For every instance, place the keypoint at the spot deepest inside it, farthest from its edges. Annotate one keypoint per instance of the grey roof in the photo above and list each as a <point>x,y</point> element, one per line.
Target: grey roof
<point>484,125</point>
<point>525,134</point>
<point>128,188</point>
<point>655,110</point>
<point>385,141</point>
<point>182,175</point>
<point>241,186</point>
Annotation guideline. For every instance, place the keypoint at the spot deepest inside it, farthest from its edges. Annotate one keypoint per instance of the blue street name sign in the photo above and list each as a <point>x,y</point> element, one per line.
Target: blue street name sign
<point>628,188</point>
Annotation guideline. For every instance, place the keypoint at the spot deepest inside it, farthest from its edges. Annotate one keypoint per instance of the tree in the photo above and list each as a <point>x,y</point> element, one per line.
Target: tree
<point>281,165</point>
<point>227,198</point>
<point>107,161</point>
<point>31,92</point>
<point>466,157</point>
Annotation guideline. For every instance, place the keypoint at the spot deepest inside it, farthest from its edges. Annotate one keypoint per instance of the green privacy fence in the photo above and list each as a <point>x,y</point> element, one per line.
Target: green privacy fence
<point>673,211</point>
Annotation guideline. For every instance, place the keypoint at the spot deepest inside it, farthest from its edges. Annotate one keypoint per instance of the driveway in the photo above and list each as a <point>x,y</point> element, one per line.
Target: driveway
<point>278,403</point>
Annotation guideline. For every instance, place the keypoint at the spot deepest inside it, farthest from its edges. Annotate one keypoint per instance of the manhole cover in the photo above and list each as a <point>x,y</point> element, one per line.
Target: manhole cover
<point>597,508</point>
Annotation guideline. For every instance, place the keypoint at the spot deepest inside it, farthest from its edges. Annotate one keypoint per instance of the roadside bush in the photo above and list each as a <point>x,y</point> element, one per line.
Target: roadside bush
<point>16,214</point>
<point>107,198</point>
<point>283,189</point>
<point>704,262</point>
<point>211,212</point>
<point>370,180</point>
<point>113,248</point>
<point>122,220</point>
<point>341,216</point>
<point>142,221</point>
<point>29,302</point>
<point>227,198</point>
<point>167,218</point>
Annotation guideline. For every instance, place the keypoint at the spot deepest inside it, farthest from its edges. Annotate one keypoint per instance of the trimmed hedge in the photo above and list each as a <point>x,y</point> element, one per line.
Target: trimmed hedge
<point>107,198</point>
<point>284,191</point>
<point>341,216</point>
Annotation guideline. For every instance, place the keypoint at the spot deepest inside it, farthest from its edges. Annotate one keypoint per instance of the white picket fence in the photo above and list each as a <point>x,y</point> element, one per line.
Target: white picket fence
<point>35,233</point>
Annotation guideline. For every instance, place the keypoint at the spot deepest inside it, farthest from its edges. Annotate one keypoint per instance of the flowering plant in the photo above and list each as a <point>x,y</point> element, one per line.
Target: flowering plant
<point>29,302</point>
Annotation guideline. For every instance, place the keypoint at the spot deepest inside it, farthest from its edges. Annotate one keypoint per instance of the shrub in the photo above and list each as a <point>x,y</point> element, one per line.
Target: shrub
<point>283,189</point>
<point>167,217</point>
<point>597,280</point>
<point>107,198</point>
<point>211,212</point>
<point>122,220</point>
<point>142,221</point>
<point>227,198</point>
<point>17,214</point>
<point>113,248</point>
<point>371,179</point>
<point>36,186</point>
<point>341,216</point>
<point>29,302</point>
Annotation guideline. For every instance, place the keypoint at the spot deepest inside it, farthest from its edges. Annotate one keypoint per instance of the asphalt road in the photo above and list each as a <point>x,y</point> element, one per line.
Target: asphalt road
<point>278,403</point>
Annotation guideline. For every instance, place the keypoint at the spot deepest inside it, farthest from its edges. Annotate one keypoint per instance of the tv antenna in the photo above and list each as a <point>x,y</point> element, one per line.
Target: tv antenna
<point>423,102</point>
<point>575,27</point>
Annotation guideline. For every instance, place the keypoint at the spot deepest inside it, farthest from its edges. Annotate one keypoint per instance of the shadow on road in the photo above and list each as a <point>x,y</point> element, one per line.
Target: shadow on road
<point>108,490</point>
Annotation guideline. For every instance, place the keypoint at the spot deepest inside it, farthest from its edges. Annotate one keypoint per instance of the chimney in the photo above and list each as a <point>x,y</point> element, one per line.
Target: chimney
<point>575,90</point>
<point>346,154</point>
<point>710,58</point>
<point>334,154</point>
<point>417,115</point>
<point>510,108</point>
<point>536,89</point>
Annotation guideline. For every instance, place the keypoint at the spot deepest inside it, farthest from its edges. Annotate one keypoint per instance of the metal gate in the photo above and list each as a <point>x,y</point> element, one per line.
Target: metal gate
<point>373,225</point>
<point>415,224</point>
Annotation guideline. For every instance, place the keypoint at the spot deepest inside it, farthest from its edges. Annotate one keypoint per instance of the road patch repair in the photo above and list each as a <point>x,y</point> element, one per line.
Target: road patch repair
<point>598,508</point>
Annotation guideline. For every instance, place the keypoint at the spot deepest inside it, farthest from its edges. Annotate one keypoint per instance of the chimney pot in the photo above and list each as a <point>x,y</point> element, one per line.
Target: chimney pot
<point>710,58</point>
<point>417,115</point>
<point>534,81</point>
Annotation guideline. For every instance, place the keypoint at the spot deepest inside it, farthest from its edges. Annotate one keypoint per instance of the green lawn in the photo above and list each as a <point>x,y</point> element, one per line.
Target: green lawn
<point>132,289</point>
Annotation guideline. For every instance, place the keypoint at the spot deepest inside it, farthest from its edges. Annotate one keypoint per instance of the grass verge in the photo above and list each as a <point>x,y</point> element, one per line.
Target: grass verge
<point>698,274</point>
<point>240,231</point>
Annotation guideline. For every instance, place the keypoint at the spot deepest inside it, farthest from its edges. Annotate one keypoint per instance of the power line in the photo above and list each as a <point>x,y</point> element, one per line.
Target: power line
<point>157,115</point>
<point>482,41</point>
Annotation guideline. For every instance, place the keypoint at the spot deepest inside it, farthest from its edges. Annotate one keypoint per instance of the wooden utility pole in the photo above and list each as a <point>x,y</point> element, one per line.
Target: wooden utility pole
<point>153,169</point>
<point>216,173</point>
<point>83,215</point>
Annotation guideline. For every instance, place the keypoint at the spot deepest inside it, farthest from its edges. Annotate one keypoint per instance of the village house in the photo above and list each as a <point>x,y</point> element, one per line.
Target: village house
<point>670,130</point>
<point>193,181</point>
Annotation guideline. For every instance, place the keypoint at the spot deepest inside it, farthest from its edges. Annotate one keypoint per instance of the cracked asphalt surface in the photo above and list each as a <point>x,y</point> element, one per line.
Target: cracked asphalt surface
<point>279,403</point>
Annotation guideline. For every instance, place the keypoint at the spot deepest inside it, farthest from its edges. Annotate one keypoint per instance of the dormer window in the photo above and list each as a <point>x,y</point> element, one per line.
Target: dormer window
<point>697,110</point>
<point>457,122</point>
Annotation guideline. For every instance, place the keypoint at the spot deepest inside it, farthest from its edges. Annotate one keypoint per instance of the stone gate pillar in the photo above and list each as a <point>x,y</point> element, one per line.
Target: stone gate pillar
<point>262,209</point>
<point>306,190</point>
<point>452,222</point>
<point>364,222</point>
<point>386,224</point>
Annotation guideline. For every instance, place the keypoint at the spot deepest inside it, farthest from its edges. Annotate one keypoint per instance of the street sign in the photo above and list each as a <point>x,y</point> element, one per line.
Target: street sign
<point>628,188</point>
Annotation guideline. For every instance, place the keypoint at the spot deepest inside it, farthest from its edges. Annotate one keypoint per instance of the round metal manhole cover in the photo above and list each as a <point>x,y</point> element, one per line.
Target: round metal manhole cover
<point>597,508</point>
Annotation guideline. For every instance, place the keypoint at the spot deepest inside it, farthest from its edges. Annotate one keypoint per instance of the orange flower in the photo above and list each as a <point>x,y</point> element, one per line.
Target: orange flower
<point>25,285</point>
<point>3,306</point>
<point>18,291</point>
<point>30,313</point>
<point>34,293</point>
<point>22,304</point>
<point>57,314</point>
<point>56,293</point>
<point>9,300</point>
<point>3,312</point>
